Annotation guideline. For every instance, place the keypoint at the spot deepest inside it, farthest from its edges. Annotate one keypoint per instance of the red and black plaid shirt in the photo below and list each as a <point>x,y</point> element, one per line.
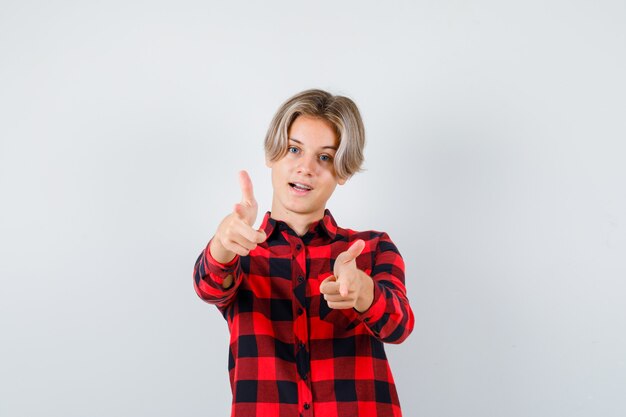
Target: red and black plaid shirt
<point>290,354</point>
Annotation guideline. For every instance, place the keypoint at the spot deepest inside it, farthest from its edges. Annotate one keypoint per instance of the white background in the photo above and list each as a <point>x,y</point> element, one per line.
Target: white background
<point>495,161</point>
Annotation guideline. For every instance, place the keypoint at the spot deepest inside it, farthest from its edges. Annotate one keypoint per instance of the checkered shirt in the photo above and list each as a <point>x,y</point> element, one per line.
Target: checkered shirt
<point>290,354</point>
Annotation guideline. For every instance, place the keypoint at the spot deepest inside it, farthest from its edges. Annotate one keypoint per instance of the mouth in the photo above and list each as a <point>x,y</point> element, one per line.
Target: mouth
<point>300,187</point>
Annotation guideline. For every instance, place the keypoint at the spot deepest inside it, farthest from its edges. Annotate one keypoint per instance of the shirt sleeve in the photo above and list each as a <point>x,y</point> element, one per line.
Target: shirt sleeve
<point>209,275</point>
<point>390,317</point>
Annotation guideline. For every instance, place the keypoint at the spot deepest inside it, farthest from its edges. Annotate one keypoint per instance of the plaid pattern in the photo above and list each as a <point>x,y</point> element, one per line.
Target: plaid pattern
<point>290,354</point>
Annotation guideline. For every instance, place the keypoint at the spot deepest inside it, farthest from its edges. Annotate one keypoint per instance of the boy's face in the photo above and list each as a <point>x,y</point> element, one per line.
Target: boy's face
<point>304,179</point>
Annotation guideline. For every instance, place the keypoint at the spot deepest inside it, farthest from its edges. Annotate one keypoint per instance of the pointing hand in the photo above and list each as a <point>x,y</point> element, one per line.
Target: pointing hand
<point>349,287</point>
<point>235,234</point>
<point>248,207</point>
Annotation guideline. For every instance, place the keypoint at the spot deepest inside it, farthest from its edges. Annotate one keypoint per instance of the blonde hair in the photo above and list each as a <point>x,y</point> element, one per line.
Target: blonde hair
<point>341,112</point>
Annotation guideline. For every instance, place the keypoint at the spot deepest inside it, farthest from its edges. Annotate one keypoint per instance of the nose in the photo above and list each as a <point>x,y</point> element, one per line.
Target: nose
<point>306,165</point>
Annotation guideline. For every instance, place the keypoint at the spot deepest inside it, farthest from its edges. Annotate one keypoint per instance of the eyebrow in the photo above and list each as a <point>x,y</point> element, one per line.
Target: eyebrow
<point>323,147</point>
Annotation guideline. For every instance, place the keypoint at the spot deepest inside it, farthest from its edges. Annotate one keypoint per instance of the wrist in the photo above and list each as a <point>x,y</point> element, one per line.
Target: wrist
<point>220,253</point>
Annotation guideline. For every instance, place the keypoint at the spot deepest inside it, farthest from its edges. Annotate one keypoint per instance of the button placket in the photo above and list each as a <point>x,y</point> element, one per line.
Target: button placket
<point>301,324</point>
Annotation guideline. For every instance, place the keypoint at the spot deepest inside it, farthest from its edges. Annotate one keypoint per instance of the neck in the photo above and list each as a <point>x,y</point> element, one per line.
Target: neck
<point>298,222</point>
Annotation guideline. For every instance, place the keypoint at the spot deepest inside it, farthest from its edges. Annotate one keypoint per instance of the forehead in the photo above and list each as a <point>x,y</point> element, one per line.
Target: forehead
<point>314,132</point>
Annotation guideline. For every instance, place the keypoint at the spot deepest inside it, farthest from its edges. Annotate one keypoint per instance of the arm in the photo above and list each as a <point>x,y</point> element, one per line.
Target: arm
<point>215,282</point>
<point>380,299</point>
<point>217,272</point>
<point>390,317</point>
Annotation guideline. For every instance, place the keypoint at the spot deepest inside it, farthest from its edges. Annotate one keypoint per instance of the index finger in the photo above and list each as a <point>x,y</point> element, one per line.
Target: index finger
<point>247,192</point>
<point>344,286</point>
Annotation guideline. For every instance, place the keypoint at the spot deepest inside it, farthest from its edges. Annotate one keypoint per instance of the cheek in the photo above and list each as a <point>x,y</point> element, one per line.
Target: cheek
<point>279,172</point>
<point>277,178</point>
<point>329,188</point>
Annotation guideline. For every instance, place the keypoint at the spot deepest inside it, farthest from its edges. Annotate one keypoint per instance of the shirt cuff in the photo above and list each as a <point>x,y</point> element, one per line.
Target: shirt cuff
<point>377,309</point>
<point>218,270</point>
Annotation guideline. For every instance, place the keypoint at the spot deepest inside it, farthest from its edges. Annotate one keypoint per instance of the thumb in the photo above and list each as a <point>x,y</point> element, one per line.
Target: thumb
<point>261,236</point>
<point>247,192</point>
<point>354,250</point>
<point>246,213</point>
<point>240,210</point>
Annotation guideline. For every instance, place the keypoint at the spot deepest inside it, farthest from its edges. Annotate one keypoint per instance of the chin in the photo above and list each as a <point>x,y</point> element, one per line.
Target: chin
<point>301,209</point>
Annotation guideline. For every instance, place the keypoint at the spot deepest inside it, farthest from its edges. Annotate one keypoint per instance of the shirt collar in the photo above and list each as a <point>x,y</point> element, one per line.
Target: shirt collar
<point>327,225</point>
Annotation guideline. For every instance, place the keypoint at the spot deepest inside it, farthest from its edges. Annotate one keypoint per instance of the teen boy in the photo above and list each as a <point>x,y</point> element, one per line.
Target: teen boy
<point>308,303</point>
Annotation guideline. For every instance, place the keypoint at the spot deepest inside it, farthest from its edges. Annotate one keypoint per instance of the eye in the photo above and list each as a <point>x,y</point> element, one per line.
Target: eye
<point>293,149</point>
<point>326,158</point>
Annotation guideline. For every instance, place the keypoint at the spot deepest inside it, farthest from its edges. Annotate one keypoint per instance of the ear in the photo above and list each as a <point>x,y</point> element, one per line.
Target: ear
<point>342,181</point>
<point>268,163</point>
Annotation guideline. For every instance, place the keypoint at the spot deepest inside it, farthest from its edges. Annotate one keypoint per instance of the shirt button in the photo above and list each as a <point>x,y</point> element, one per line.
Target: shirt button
<point>300,278</point>
<point>298,246</point>
<point>307,406</point>
<point>300,311</point>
